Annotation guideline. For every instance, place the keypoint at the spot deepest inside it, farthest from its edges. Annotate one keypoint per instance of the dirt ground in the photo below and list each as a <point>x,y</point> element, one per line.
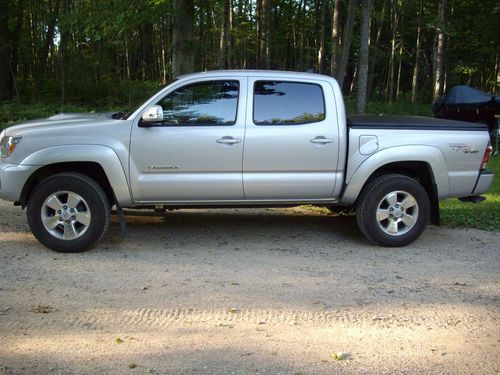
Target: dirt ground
<point>268,291</point>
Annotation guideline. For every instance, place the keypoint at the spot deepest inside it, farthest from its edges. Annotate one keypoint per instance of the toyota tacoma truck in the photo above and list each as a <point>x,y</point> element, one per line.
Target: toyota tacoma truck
<point>240,139</point>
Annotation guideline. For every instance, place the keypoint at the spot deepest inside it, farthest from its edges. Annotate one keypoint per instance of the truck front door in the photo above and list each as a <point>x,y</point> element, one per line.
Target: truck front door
<point>195,153</point>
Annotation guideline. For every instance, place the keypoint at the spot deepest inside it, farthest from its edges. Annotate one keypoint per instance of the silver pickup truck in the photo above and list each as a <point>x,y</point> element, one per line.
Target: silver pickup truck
<point>240,139</point>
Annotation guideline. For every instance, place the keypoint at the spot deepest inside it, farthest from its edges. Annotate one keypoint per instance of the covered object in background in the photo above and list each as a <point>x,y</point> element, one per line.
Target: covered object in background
<point>465,103</point>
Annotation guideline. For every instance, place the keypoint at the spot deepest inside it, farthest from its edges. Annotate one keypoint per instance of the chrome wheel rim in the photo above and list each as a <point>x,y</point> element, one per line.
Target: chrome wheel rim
<point>397,213</point>
<point>65,215</point>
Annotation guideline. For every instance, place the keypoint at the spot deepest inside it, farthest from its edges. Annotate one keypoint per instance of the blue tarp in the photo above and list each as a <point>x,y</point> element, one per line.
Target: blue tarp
<point>467,95</point>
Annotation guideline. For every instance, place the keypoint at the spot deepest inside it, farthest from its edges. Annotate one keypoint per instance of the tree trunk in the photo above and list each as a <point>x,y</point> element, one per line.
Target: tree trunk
<point>363,56</point>
<point>229,50</point>
<point>496,83</point>
<point>224,35</point>
<point>183,37</point>
<point>390,76</point>
<point>9,49</point>
<point>44,54</point>
<point>381,24</point>
<point>334,63</point>
<point>398,81</point>
<point>353,82</point>
<point>439,54</point>
<point>15,45</point>
<point>127,58</point>
<point>64,49</point>
<point>346,42</point>
<point>302,11</point>
<point>147,50</point>
<point>164,43</point>
<point>375,46</point>
<point>5,55</point>
<point>258,30</point>
<point>414,82</point>
<point>263,23</point>
<point>321,49</point>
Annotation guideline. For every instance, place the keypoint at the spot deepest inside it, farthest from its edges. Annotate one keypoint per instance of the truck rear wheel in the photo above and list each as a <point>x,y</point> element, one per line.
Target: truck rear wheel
<point>68,212</point>
<point>393,210</point>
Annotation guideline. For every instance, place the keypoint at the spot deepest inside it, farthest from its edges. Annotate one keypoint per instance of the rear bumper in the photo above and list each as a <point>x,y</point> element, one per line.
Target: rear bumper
<point>12,180</point>
<point>484,182</point>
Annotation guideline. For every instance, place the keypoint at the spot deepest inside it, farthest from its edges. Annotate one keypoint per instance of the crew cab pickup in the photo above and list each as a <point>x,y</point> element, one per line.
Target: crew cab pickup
<point>240,138</point>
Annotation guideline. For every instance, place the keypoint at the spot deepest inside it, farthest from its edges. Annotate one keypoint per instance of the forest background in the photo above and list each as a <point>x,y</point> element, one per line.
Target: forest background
<point>394,56</point>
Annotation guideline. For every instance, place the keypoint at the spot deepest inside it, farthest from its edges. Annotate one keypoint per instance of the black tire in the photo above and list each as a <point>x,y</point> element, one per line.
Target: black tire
<point>405,223</point>
<point>93,207</point>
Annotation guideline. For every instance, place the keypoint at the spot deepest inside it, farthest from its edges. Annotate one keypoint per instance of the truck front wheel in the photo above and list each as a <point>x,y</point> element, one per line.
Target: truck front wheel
<point>393,210</point>
<point>68,212</point>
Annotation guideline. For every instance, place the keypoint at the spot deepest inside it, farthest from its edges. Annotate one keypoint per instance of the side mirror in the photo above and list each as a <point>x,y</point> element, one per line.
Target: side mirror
<point>153,113</point>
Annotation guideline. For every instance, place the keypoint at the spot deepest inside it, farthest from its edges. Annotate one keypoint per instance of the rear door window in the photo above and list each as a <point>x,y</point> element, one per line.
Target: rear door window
<point>287,103</point>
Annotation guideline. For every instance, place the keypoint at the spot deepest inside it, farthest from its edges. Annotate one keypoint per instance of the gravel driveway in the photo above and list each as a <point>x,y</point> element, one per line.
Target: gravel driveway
<point>268,291</point>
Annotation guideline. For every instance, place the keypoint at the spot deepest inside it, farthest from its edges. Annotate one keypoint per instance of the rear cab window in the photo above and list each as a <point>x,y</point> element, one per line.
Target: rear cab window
<point>287,103</point>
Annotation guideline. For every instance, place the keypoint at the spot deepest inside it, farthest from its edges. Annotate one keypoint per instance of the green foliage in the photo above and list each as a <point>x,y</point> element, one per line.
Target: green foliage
<point>12,113</point>
<point>84,97</point>
<point>402,107</point>
<point>474,42</point>
<point>484,215</point>
<point>113,41</point>
<point>107,93</point>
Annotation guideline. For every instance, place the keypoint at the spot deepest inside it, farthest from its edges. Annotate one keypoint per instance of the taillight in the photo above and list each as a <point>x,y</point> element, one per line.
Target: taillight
<point>487,155</point>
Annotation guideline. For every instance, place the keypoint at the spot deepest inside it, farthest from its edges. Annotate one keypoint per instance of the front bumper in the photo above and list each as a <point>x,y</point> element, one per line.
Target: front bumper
<point>483,183</point>
<point>12,180</point>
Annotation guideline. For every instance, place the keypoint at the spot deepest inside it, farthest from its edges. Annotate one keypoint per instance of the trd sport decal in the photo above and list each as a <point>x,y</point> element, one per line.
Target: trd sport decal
<point>464,147</point>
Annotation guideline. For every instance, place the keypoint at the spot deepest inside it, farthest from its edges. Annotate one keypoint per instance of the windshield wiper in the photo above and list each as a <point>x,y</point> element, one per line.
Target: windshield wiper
<point>119,115</point>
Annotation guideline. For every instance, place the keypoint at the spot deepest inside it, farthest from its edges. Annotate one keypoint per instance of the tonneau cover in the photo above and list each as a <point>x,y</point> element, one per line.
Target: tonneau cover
<point>410,123</point>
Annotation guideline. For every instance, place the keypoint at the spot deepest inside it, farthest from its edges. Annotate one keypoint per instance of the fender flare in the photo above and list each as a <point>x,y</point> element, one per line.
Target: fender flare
<point>105,156</point>
<point>428,154</point>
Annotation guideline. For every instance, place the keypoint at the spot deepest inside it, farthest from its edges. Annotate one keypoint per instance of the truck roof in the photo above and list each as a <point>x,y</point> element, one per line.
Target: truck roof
<point>255,72</point>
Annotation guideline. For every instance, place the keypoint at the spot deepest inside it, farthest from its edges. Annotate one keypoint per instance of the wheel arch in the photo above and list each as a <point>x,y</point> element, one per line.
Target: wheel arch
<point>97,162</point>
<point>422,163</point>
<point>90,169</point>
<point>419,171</point>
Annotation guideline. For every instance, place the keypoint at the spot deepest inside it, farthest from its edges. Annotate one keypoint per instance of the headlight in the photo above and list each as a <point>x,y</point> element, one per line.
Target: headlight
<point>8,144</point>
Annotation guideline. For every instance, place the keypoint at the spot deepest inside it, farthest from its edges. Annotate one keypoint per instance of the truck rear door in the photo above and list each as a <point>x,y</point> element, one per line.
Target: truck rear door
<point>291,146</point>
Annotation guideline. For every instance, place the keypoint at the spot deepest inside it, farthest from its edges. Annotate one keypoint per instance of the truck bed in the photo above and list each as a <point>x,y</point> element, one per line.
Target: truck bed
<point>410,123</point>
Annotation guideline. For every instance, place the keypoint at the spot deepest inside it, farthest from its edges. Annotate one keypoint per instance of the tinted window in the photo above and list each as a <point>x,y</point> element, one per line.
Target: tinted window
<point>287,103</point>
<point>203,103</point>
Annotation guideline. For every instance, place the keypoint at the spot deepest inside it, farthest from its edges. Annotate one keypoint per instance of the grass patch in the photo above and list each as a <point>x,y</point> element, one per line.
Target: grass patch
<point>484,215</point>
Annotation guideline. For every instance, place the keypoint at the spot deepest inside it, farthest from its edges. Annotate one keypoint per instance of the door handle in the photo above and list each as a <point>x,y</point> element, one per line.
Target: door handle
<point>228,141</point>
<point>321,140</point>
